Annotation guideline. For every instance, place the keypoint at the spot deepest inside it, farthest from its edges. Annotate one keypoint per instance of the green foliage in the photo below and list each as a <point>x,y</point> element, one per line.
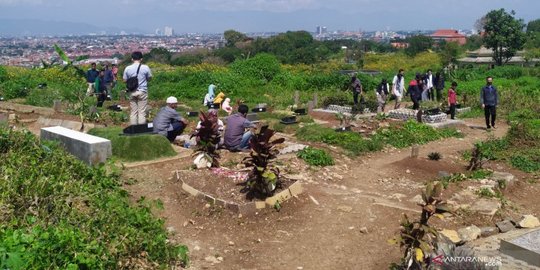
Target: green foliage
<point>135,148</point>
<point>58,213</point>
<point>411,133</point>
<point>503,34</point>
<point>263,67</point>
<point>525,163</point>
<point>474,42</point>
<point>480,174</point>
<point>316,157</point>
<point>353,142</point>
<point>418,44</point>
<point>533,26</point>
<point>450,52</point>
<point>207,137</point>
<point>232,37</point>
<point>454,178</point>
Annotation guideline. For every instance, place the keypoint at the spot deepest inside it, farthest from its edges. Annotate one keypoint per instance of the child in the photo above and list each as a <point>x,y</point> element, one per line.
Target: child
<point>452,100</point>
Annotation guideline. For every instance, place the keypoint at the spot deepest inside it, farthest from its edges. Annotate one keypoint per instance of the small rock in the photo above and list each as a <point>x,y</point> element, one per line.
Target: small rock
<point>528,221</point>
<point>417,199</point>
<point>351,228</point>
<point>488,231</point>
<point>220,258</point>
<point>196,248</point>
<point>408,171</point>
<point>486,207</point>
<point>345,208</point>
<point>259,240</point>
<point>505,226</point>
<point>12,117</point>
<point>171,229</point>
<point>363,230</point>
<point>207,205</point>
<point>443,174</point>
<point>469,233</point>
<point>231,243</point>
<point>299,268</point>
<point>505,177</point>
<point>212,259</point>
<point>451,235</point>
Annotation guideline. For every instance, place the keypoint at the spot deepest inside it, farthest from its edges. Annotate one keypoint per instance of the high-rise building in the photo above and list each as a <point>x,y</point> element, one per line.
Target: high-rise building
<point>158,32</point>
<point>168,31</point>
<point>318,30</point>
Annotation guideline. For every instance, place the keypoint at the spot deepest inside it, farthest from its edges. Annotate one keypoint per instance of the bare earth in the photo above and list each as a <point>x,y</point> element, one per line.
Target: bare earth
<point>323,227</point>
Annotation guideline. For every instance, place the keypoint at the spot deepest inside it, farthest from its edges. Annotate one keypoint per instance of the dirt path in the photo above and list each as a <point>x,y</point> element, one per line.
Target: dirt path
<point>342,221</point>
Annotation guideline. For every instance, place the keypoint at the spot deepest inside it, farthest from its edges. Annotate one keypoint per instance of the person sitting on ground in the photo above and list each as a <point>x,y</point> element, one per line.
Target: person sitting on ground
<point>219,99</point>
<point>226,106</point>
<point>168,122</point>
<point>213,116</point>
<point>100,88</point>
<point>208,100</point>
<point>236,136</point>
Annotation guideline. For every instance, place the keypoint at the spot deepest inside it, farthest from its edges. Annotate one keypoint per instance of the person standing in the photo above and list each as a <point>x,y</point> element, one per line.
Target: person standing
<point>115,75</point>
<point>489,100</point>
<point>168,122</point>
<point>415,90</point>
<point>91,76</point>
<point>108,79</point>
<point>452,100</point>
<point>398,88</point>
<point>382,94</point>
<point>429,85</point>
<point>100,89</point>
<point>138,99</point>
<point>356,87</point>
<point>438,83</point>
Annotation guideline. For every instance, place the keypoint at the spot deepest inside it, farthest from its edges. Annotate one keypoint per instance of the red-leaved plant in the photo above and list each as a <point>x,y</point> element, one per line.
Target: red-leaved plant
<point>207,137</point>
<point>264,177</point>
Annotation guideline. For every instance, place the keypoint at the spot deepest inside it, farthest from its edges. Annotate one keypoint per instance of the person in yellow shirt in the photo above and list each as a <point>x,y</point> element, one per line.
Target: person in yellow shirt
<point>219,99</point>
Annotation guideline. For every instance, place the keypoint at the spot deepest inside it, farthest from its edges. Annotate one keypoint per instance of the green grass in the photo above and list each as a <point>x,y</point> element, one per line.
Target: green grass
<point>352,142</point>
<point>135,148</point>
<point>316,157</point>
<point>413,132</point>
<point>59,213</point>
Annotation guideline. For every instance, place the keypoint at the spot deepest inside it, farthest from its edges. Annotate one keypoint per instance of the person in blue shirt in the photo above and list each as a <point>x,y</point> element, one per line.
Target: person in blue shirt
<point>91,76</point>
<point>489,100</point>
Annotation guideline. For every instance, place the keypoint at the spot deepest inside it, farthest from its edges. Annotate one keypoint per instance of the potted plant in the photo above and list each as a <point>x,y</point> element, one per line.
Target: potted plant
<point>264,177</point>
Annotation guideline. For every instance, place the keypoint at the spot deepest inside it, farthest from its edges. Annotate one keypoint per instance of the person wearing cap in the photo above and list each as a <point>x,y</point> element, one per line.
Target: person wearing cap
<point>168,121</point>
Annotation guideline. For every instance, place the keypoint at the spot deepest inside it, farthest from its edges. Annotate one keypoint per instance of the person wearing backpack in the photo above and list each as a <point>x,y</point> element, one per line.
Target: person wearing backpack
<point>136,76</point>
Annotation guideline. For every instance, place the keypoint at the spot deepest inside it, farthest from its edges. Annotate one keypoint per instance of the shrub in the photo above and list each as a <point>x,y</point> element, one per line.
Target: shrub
<point>434,156</point>
<point>525,163</point>
<point>262,67</point>
<point>341,98</point>
<point>316,157</point>
<point>135,148</point>
<point>59,213</point>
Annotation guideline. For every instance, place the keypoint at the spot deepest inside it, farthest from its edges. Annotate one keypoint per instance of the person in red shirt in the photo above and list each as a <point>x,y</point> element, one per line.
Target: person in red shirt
<point>452,100</point>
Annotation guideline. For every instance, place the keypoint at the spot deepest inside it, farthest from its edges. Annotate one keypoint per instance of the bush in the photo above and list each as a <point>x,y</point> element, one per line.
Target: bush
<point>59,213</point>
<point>316,157</point>
<point>135,148</point>
<point>262,67</point>
<point>341,98</point>
<point>525,163</point>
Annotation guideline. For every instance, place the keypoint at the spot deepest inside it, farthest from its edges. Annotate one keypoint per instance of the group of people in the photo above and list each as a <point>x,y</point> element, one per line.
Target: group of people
<point>168,121</point>
<point>101,82</point>
<point>236,135</point>
<point>425,87</point>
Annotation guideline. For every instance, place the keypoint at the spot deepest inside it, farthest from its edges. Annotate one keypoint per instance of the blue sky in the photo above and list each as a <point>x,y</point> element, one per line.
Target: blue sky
<point>267,15</point>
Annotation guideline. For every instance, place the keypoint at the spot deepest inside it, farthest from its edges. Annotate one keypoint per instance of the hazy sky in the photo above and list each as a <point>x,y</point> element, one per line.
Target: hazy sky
<point>267,15</point>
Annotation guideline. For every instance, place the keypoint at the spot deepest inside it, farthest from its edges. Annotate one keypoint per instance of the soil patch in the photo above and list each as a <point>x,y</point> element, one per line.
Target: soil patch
<point>227,185</point>
<point>426,167</point>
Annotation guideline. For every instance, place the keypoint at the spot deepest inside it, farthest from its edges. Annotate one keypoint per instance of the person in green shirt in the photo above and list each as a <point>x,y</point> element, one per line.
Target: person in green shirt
<point>100,88</point>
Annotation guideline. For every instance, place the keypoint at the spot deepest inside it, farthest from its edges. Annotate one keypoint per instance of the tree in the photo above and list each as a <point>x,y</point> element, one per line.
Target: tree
<point>232,36</point>
<point>159,55</point>
<point>450,52</point>
<point>418,44</point>
<point>533,26</point>
<point>474,42</point>
<point>503,34</point>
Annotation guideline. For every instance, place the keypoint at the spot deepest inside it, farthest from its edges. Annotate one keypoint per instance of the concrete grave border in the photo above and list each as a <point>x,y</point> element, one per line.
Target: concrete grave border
<point>249,208</point>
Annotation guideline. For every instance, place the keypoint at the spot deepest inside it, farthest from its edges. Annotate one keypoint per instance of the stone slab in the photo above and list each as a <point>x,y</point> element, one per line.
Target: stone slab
<point>74,125</point>
<point>90,149</point>
<point>490,247</point>
<point>447,124</point>
<point>26,108</point>
<point>525,247</point>
<point>486,207</point>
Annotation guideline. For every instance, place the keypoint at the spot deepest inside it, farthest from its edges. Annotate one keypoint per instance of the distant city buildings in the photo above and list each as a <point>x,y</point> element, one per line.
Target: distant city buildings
<point>449,35</point>
<point>168,31</point>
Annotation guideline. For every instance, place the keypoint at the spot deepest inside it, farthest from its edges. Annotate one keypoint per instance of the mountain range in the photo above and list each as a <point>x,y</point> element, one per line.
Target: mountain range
<point>35,27</point>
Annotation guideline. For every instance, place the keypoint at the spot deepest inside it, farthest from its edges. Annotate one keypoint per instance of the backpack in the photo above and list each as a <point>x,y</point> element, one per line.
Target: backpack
<point>132,83</point>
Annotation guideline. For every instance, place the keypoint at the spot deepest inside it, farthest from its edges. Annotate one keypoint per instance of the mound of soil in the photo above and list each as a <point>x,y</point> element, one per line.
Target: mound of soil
<point>227,185</point>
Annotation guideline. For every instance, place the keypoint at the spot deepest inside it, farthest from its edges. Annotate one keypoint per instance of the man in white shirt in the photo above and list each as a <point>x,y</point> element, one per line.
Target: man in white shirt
<point>138,99</point>
<point>429,84</point>
<point>398,88</point>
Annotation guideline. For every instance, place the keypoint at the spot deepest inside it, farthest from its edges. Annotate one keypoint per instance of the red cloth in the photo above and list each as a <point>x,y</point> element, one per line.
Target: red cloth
<point>452,96</point>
